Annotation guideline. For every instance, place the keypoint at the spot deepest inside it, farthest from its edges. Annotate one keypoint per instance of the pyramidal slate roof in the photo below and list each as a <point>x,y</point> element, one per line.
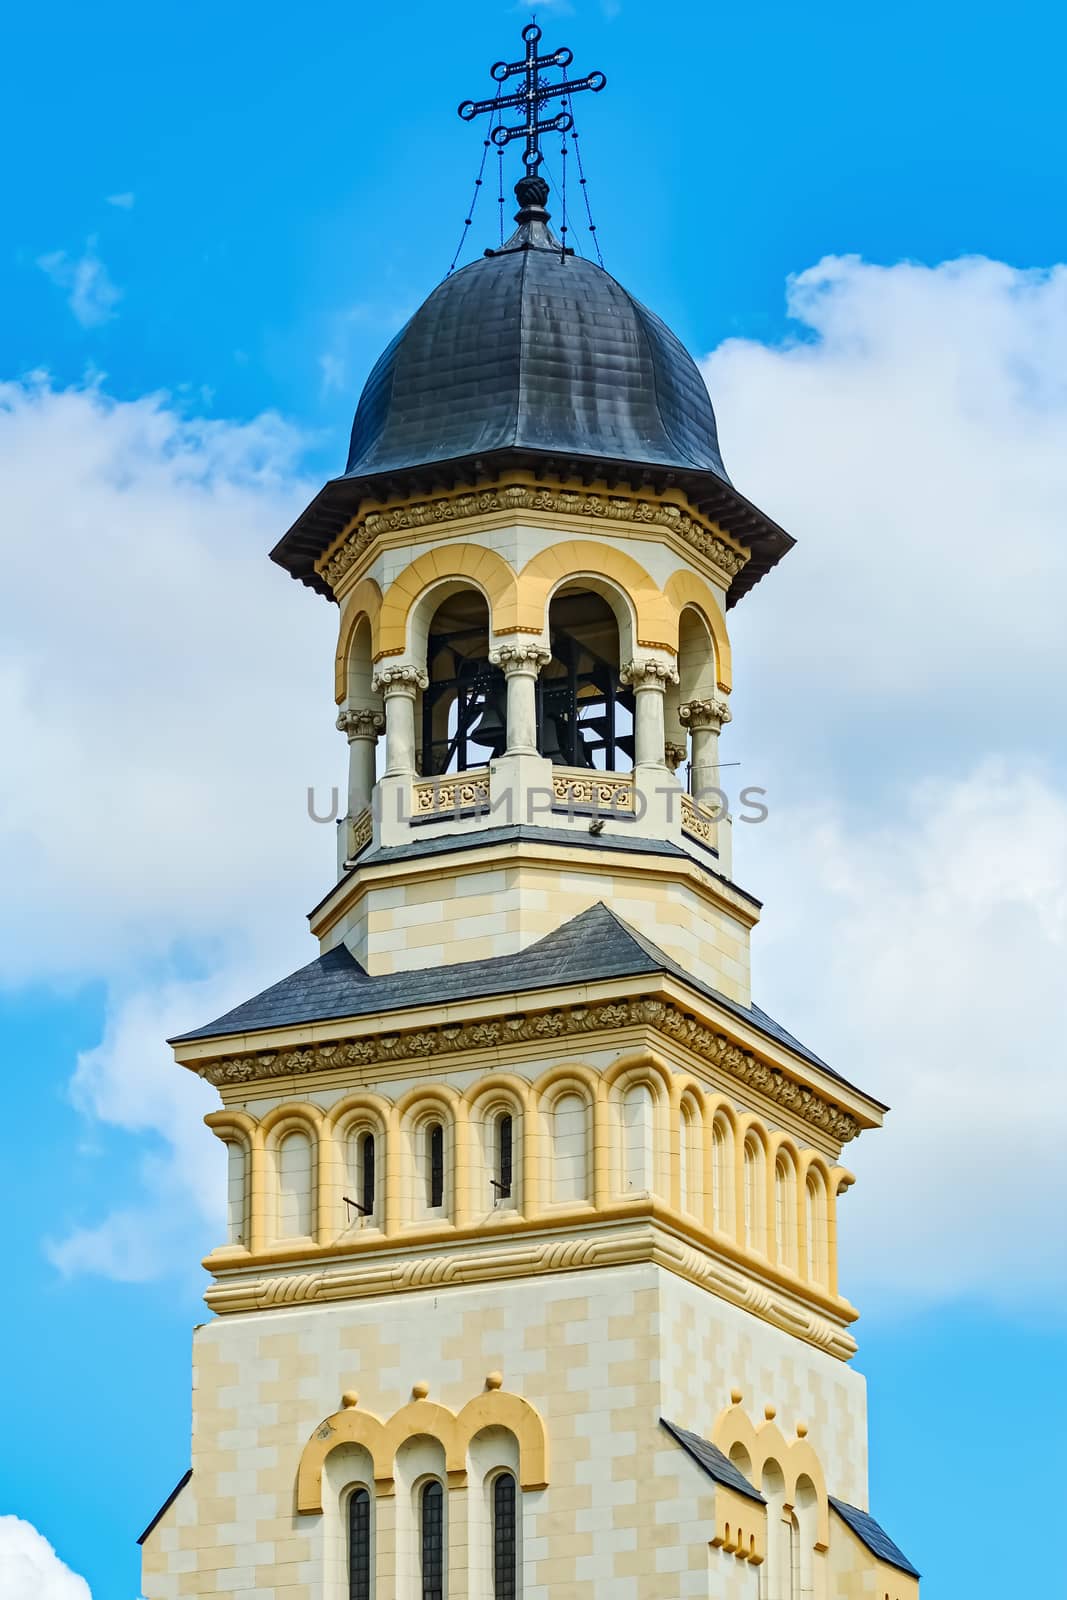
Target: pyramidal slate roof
<point>873,1535</point>
<point>710,1458</point>
<point>594,946</point>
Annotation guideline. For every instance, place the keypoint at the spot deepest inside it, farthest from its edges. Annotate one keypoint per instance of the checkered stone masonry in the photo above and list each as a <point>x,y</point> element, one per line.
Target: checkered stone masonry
<point>602,1355</point>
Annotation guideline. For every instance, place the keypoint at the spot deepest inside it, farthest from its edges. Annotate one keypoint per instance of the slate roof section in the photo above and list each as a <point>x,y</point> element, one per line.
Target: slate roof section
<point>873,1535</point>
<point>532,347</point>
<point>710,1458</point>
<point>594,946</point>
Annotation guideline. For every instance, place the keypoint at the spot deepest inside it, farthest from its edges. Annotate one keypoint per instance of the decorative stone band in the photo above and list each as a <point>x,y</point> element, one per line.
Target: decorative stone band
<point>362,833</point>
<point>396,679</point>
<point>648,673</point>
<point>698,822</point>
<point>437,796</point>
<point>361,723</point>
<point>420,1044</point>
<point>711,713</point>
<point>620,1246</point>
<point>580,791</point>
<point>525,659</point>
<point>512,497</point>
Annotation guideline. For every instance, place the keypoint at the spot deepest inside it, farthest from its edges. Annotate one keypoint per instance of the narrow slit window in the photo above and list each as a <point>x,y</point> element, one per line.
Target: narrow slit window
<point>359,1552</point>
<point>505,1544</point>
<point>504,1159</point>
<point>366,1173</point>
<point>435,1141</point>
<point>432,1537</point>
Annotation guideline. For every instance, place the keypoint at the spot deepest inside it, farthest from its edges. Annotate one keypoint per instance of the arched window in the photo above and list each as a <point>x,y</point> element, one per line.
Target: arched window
<point>505,1541</point>
<point>755,1195</point>
<point>637,1139</point>
<point>359,1546</point>
<point>585,716</point>
<point>785,1212</point>
<point>815,1229</point>
<point>361,1173</point>
<point>366,1162</point>
<point>570,1180</point>
<point>236,1186</point>
<point>294,1186</point>
<point>722,1175</point>
<point>432,1540</point>
<point>505,1133</point>
<point>690,1159</point>
<point>435,1165</point>
<point>464,707</point>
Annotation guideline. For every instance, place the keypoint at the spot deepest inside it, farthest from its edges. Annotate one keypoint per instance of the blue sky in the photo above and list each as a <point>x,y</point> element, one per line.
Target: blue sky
<point>213,224</point>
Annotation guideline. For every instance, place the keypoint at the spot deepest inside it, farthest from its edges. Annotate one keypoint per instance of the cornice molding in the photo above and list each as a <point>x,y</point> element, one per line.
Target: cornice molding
<point>613,1246</point>
<point>513,497</point>
<point>449,1039</point>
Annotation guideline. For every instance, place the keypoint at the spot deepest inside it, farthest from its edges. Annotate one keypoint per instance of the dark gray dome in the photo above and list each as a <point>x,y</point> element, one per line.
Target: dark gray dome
<point>532,359</point>
<point>529,349</point>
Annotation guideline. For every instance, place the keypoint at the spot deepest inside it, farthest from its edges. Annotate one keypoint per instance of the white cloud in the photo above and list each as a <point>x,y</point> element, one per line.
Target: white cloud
<point>124,201</point>
<point>165,699</point>
<point>92,295</point>
<point>897,678</point>
<point>30,1568</point>
<point>924,956</point>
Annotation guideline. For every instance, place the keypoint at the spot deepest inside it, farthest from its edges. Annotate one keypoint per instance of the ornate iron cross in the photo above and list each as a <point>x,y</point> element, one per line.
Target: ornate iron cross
<point>533,97</point>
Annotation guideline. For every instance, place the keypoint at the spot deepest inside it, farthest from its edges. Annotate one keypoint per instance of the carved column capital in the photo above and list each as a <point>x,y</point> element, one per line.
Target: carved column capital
<point>712,713</point>
<point>360,722</point>
<point>674,755</point>
<point>648,674</point>
<point>526,659</point>
<point>397,679</point>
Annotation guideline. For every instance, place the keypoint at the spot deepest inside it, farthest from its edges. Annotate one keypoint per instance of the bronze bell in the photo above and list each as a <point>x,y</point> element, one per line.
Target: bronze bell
<point>491,728</point>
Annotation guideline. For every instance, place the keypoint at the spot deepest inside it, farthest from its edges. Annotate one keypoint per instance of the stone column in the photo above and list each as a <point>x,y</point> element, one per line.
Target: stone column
<point>704,719</point>
<point>362,726</point>
<point>398,686</point>
<point>648,680</point>
<point>521,663</point>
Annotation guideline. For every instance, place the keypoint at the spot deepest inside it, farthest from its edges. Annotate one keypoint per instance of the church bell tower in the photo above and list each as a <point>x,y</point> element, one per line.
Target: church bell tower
<point>530,1285</point>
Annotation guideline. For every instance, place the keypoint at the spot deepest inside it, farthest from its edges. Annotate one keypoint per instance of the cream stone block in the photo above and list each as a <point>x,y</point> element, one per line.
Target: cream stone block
<point>506,910</point>
<point>601,1354</point>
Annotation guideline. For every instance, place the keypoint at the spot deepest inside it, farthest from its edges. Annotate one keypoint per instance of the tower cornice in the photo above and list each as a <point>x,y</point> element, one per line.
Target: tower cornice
<point>739,1055</point>
<point>560,504</point>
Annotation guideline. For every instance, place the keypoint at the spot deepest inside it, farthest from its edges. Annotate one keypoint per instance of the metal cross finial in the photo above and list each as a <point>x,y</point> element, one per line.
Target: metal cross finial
<point>533,97</point>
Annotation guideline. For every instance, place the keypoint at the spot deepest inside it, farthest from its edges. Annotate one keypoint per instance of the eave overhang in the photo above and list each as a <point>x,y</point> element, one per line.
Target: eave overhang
<point>333,508</point>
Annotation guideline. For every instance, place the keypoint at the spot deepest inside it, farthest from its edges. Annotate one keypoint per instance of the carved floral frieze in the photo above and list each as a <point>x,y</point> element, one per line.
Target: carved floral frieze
<point>494,1033</point>
<point>533,497</point>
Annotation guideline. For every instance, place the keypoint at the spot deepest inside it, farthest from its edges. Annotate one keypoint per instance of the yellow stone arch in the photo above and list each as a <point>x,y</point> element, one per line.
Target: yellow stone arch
<point>382,1440</point>
<point>796,1457</point>
<point>483,567</point>
<point>657,625</point>
<point>686,589</point>
<point>365,600</point>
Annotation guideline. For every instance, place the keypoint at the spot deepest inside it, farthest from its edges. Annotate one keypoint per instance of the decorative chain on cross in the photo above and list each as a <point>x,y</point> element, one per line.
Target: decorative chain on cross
<point>532,97</point>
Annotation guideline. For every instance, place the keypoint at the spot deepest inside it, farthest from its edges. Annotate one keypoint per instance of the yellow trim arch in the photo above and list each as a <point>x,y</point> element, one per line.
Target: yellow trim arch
<point>481,566</point>
<point>686,589</point>
<point>382,1440</point>
<point>364,601</point>
<point>657,625</point>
